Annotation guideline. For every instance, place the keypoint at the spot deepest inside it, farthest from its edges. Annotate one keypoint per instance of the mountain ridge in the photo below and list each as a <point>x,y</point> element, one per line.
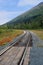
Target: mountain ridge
<point>35,14</point>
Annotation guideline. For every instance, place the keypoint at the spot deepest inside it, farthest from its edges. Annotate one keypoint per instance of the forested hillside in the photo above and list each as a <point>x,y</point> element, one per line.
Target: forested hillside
<point>32,19</point>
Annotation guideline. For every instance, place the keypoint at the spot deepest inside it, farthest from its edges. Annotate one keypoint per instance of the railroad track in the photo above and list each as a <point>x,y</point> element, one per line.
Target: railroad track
<point>16,55</point>
<point>16,40</point>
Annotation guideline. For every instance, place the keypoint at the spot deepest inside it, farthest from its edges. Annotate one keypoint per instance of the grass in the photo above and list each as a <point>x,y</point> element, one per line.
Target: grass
<point>39,33</point>
<point>39,45</point>
<point>7,35</point>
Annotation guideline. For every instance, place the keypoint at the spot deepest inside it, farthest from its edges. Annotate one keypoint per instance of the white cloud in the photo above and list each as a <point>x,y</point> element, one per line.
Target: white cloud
<point>6,16</point>
<point>28,2</point>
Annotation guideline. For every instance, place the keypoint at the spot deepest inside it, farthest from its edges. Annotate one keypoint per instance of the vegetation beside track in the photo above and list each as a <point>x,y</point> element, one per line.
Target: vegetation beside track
<point>7,35</point>
<point>39,33</point>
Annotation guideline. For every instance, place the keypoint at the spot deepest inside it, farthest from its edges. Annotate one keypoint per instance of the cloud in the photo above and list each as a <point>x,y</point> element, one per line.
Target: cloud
<point>6,16</point>
<point>28,2</point>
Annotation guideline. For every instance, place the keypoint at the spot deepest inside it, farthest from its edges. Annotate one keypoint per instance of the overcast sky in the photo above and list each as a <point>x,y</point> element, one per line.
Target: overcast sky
<point>9,9</point>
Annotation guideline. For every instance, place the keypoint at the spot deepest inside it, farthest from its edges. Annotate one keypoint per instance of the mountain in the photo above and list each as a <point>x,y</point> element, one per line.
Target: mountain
<point>28,20</point>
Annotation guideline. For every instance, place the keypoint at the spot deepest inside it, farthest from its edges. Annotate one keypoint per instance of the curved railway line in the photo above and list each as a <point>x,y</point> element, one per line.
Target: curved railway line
<point>18,51</point>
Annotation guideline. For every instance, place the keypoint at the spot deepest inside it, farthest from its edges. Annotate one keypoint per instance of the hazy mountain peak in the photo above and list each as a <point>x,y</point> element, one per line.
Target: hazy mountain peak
<point>41,3</point>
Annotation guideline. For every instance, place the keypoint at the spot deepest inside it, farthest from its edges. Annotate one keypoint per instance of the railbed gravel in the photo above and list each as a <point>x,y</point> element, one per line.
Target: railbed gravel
<point>36,53</point>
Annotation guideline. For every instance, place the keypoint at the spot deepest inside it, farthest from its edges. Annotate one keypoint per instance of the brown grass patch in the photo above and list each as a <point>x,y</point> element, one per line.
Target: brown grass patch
<point>39,33</point>
<point>8,37</point>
